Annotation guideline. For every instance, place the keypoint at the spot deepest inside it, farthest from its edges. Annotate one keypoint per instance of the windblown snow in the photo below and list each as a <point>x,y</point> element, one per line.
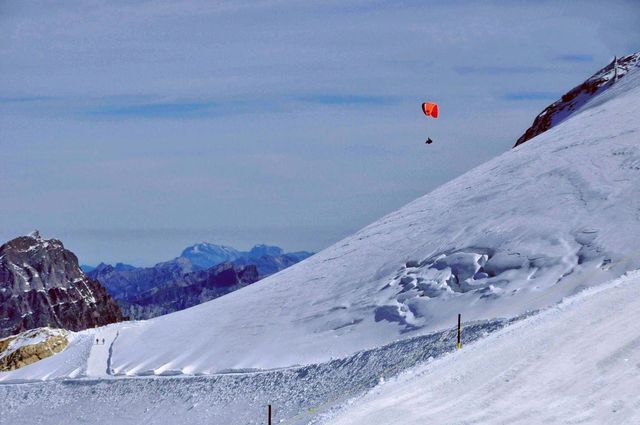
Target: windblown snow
<point>522,232</point>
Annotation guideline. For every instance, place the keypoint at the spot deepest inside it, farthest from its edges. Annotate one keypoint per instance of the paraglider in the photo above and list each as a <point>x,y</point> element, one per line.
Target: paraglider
<point>430,109</point>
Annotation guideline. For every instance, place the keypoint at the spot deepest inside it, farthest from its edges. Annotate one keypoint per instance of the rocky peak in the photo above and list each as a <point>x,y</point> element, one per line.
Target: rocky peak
<point>205,255</point>
<point>41,283</point>
<point>35,235</point>
<point>263,250</point>
<point>577,97</point>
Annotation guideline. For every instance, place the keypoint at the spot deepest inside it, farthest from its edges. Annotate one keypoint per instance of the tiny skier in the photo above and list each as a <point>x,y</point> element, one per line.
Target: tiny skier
<point>429,141</point>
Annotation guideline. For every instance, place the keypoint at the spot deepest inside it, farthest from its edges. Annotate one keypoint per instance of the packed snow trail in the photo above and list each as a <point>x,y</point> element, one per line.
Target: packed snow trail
<point>298,394</point>
<point>578,362</point>
<point>99,361</point>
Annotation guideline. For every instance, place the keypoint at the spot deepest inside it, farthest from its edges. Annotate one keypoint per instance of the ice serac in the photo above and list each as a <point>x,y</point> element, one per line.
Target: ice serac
<point>41,284</point>
<point>576,98</point>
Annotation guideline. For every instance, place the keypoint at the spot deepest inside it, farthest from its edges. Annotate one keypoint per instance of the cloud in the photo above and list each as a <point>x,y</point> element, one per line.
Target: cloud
<point>299,104</point>
<point>155,107</point>
<point>575,57</point>
<point>499,70</point>
<point>155,110</point>
<point>337,99</point>
<point>24,99</point>
<point>530,95</point>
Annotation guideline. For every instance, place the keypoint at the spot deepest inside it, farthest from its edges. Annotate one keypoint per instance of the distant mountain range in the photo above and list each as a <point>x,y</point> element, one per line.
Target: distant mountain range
<point>202,272</point>
<point>41,283</point>
<point>190,289</point>
<point>268,259</point>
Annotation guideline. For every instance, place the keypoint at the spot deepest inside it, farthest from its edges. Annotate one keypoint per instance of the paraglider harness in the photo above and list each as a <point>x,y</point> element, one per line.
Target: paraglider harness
<point>430,109</point>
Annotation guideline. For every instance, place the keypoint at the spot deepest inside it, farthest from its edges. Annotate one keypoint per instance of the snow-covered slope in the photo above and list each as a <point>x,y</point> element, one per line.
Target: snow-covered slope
<point>578,362</point>
<point>518,233</point>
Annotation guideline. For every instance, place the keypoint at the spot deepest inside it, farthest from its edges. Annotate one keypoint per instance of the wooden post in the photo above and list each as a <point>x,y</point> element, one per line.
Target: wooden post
<point>269,414</point>
<point>459,322</point>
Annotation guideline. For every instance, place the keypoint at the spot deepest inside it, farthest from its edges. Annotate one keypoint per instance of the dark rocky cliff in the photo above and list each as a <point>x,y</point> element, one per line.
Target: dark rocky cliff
<point>42,284</point>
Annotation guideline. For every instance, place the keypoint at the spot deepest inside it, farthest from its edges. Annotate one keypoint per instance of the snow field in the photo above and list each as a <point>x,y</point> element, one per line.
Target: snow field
<point>578,362</point>
<point>299,395</point>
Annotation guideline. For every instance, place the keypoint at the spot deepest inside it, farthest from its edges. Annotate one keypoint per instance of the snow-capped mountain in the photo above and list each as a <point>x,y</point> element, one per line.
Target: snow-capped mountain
<point>41,284</point>
<point>205,255</point>
<point>576,98</point>
<point>269,259</point>
<point>200,274</point>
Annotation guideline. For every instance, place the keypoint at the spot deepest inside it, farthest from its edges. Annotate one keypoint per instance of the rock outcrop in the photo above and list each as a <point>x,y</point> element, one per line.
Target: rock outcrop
<point>575,98</point>
<point>41,284</point>
<point>31,346</point>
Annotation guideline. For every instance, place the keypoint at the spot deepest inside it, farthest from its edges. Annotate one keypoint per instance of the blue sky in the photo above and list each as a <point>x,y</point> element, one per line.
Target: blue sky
<point>132,129</point>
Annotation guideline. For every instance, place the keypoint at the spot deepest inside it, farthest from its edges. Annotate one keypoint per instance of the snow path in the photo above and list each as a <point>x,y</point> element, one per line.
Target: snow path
<point>568,364</point>
<point>578,362</point>
<point>298,394</point>
<point>99,361</point>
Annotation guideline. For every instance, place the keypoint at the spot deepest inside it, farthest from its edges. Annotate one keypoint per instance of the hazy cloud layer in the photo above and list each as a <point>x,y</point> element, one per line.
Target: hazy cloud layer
<point>130,129</point>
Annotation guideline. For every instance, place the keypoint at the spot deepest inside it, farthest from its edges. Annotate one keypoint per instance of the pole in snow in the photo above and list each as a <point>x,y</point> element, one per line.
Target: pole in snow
<point>459,321</point>
<point>269,414</point>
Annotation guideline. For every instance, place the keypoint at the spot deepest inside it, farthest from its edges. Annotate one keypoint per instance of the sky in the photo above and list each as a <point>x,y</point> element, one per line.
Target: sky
<point>130,130</point>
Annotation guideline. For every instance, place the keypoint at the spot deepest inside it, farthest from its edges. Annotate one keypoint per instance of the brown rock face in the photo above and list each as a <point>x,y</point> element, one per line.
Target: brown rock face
<point>41,284</point>
<point>30,346</point>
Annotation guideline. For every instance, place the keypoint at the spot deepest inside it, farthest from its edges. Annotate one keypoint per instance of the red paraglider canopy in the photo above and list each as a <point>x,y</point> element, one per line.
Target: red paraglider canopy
<point>430,109</point>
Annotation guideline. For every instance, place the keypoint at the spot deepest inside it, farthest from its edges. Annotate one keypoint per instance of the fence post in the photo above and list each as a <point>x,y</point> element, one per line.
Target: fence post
<point>269,414</point>
<point>459,322</point>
